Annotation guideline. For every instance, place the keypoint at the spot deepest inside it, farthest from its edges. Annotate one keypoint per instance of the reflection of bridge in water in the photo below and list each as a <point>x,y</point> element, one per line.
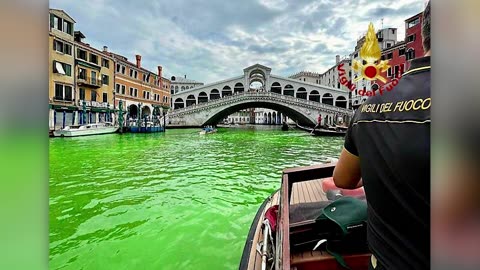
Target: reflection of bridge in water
<point>298,100</point>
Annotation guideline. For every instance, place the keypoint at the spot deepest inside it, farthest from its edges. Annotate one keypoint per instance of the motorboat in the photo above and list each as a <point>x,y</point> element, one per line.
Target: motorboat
<point>84,130</point>
<point>285,233</point>
<point>208,130</point>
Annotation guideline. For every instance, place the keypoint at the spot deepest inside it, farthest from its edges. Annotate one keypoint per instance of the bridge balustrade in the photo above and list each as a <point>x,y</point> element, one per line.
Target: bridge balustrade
<point>267,95</point>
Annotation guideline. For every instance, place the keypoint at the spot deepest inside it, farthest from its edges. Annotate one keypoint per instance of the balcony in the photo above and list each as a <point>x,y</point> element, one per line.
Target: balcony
<point>89,81</point>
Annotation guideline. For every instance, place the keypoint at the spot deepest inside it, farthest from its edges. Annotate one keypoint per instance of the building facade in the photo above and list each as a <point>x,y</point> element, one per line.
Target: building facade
<point>144,94</point>
<point>86,84</point>
<point>307,76</point>
<point>387,37</point>
<point>61,75</point>
<point>331,77</point>
<point>402,53</point>
<point>180,84</point>
<point>94,82</point>
<point>413,38</point>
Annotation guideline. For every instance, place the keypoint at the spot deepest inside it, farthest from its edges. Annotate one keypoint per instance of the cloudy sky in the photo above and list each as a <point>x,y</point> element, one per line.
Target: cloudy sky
<point>210,40</point>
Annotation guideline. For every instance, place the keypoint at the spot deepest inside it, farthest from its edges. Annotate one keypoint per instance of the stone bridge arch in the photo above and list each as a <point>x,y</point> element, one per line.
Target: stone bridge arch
<point>285,109</point>
<point>211,113</point>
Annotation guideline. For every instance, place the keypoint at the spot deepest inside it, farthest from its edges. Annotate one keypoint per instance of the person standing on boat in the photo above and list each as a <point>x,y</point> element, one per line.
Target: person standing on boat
<point>319,123</point>
<point>388,152</point>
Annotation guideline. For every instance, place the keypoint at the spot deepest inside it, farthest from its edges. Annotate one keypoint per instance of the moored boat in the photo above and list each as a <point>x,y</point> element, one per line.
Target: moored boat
<point>147,127</point>
<point>286,232</point>
<point>84,130</point>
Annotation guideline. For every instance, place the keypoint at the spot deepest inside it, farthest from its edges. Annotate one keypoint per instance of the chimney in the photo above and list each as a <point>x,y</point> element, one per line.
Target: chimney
<point>105,49</point>
<point>139,60</point>
<point>185,76</point>
<point>337,59</point>
<point>160,76</point>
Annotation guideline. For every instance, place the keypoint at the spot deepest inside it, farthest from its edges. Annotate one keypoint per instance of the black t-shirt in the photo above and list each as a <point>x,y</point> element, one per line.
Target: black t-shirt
<point>390,133</point>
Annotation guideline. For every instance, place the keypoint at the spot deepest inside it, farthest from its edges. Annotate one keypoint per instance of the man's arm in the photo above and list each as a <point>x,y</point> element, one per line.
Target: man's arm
<point>347,172</point>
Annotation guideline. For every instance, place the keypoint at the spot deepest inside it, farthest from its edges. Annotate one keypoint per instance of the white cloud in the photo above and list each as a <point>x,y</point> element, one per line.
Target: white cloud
<point>213,41</point>
<point>274,4</point>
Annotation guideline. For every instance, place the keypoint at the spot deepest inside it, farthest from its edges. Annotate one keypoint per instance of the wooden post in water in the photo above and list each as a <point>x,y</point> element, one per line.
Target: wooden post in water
<point>120,115</point>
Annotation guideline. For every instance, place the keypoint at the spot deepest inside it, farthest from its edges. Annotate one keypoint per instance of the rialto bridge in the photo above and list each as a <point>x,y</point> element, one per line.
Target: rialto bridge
<point>300,101</point>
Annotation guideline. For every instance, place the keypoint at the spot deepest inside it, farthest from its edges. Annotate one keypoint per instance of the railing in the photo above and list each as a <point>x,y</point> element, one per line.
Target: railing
<point>90,81</point>
<point>259,95</point>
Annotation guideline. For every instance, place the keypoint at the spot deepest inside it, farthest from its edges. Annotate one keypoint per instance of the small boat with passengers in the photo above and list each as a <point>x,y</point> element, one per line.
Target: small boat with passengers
<point>84,130</point>
<point>309,223</point>
<point>208,130</point>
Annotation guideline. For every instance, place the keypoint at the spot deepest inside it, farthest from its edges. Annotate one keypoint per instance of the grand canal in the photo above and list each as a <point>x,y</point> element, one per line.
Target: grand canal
<point>177,200</point>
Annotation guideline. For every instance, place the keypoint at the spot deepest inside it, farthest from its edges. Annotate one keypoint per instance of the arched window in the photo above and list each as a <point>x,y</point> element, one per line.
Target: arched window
<point>202,97</point>
<point>314,96</point>
<point>327,99</point>
<point>276,88</point>
<point>288,90</point>
<point>341,102</point>
<point>191,100</point>
<point>302,93</point>
<point>227,91</point>
<point>214,94</point>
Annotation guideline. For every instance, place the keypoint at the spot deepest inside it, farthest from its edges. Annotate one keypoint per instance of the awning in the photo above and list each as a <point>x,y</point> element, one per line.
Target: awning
<point>63,107</point>
<point>85,64</point>
<point>59,68</point>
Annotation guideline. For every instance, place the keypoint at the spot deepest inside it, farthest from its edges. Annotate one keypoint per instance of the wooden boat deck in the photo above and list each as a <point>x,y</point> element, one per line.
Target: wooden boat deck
<point>297,188</point>
<point>308,191</point>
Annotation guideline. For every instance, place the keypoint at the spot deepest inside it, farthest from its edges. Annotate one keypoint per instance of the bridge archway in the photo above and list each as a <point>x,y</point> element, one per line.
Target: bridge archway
<point>327,98</point>
<point>341,102</point>
<point>214,94</point>
<point>226,91</point>
<point>283,109</point>
<point>178,104</point>
<point>274,118</point>
<point>288,90</point>
<point>301,93</point>
<point>276,88</point>
<point>257,73</point>
<point>238,88</point>
<point>256,84</point>
<point>202,97</point>
<point>146,111</point>
<point>191,100</point>
<point>133,111</point>
<point>314,96</point>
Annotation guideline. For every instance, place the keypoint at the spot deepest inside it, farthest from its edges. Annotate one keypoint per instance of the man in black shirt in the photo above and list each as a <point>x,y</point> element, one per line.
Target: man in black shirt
<point>387,150</point>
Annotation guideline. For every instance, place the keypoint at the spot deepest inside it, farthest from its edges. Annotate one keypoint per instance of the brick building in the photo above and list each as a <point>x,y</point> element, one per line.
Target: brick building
<point>144,93</point>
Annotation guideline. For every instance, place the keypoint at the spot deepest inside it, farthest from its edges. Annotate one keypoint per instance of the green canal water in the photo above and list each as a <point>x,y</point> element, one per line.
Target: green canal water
<point>175,200</point>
